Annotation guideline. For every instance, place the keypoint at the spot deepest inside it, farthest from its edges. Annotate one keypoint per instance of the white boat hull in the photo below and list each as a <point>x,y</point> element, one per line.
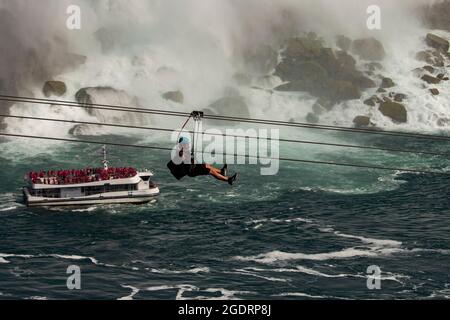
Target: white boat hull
<point>137,197</point>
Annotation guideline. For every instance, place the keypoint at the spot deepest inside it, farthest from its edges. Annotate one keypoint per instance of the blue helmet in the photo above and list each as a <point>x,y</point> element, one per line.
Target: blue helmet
<point>184,141</point>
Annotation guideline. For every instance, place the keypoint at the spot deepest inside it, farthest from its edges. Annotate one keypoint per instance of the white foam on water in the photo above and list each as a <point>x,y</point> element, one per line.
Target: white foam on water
<point>373,248</point>
<point>193,271</point>
<point>72,257</point>
<point>246,272</point>
<point>8,202</point>
<point>134,291</point>
<point>276,255</point>
<point>386,276</point>
<point>303,295</point>
<point>37,298</point>
<point>90,209</point>
<point>301,269</point>
<point>182,288</point>
<point>57,256</point>
<point>8,209</point>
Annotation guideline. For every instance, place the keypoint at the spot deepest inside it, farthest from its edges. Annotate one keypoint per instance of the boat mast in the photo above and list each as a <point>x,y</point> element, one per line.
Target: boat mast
<point>105,160</point>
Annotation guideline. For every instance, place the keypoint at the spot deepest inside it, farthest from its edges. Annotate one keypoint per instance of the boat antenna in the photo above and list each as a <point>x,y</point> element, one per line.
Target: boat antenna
<point>105,160</point>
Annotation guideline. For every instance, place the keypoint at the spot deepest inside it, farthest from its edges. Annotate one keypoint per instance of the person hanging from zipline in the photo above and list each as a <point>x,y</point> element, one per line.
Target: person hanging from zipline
<point>187,167</point>
<point>185,163</point>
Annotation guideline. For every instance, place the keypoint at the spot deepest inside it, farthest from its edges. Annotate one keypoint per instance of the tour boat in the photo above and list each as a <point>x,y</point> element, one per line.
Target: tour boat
<point>90,186</point>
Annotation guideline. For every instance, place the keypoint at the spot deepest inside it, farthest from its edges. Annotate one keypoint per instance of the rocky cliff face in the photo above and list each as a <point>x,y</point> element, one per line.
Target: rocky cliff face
<point>308,65</point>
<point>437,15</point>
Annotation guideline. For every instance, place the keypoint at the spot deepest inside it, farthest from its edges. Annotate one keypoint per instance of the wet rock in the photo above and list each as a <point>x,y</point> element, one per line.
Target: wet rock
<point>396,111</point>
<point>437,42</point>
<point>429,69</point>
<point>399,97</point>
<point>431,57</point>
<point>381,90</point>
<point>309,66</point>
<point>323,103</point>
<point>335,90</point>
<point>430,79</point>
<point>312,118</point>
<point>369,49</point>
<point>361,121</point>
<point>374,66</point>
<point>344,43</point>
<point>372,101</point>
<point>434,91</point>
<point>261,60</point>
<point>418,72</point>
<point>230,106</point>
<point>344,90</point>
<point>443,122</point>
<point>113,97</point>
<point>175,96</point>
<point>387,83</point>
<point>54,88</point>
<point>86,130</point>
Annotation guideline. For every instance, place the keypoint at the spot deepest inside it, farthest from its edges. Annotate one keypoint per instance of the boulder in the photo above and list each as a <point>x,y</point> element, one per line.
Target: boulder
<point>54,88</point>
<point>371,102</point>
<point>309,66</point>
<point>261,60</point>
<point>304,48</point>
<point>374,66</point>
<point>323,104</point>
<point>312,118</point>
<point>361,121</point>
<point>335,90</point>
<point>344,43</point>
<point>396,111</point>
<point>431,57</point>
<point>437,42</point>
<point>87,130</point>
<point>429,69</point>
<point>430,79</point>
<point>341,90</point>
<point>434,91</point>
<point>387,83</point>
<point>175,96</point>
<point>113,97</point>
<point>399,97</point>
<point>369,49</point>
<point>230,106</point>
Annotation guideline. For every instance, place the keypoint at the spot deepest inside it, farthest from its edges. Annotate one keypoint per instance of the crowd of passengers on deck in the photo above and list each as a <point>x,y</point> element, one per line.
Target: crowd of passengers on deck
<point>61,177</point>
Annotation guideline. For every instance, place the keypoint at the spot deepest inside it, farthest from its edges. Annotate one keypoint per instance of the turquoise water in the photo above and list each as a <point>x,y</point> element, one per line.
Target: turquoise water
<point>309,232</point>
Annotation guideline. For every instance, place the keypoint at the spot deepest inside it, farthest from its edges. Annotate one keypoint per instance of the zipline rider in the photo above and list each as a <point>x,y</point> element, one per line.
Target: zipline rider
<point>186,162</point>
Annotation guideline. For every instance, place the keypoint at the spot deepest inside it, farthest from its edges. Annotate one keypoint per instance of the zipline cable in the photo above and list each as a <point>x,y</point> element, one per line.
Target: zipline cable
<point>221,118</point>
<point>229,135</point>
<point>360,166</point>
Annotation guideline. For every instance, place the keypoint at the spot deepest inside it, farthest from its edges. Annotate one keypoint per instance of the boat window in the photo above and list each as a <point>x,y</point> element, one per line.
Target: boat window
<point>49,193</point>
<point>145,178</point>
